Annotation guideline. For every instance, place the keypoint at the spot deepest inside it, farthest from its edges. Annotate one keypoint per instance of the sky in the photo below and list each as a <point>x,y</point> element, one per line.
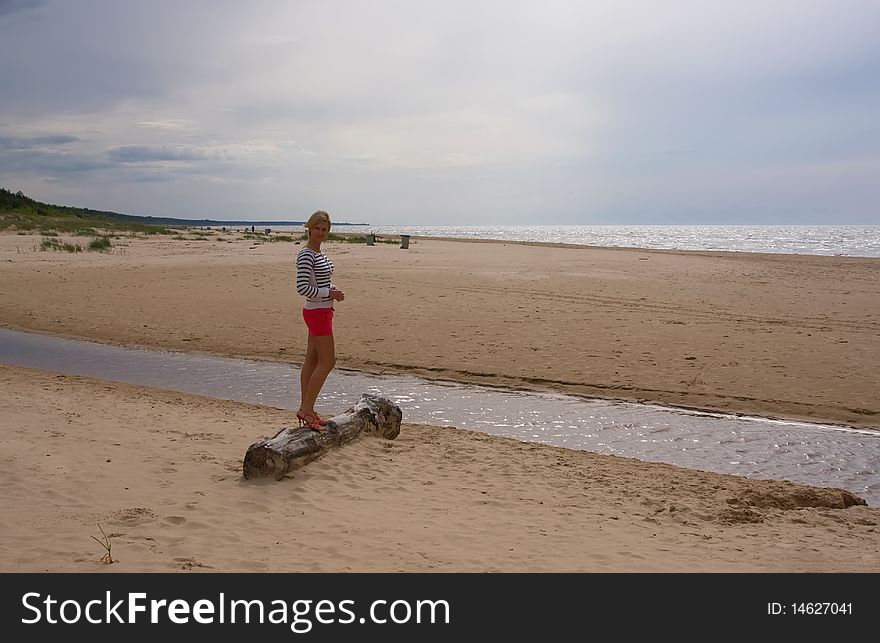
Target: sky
<point>447,112</point>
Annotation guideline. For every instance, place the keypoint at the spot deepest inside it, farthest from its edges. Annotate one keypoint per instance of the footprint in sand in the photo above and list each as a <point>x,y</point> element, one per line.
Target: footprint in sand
<point>190,563</point>
<point>133,516</point>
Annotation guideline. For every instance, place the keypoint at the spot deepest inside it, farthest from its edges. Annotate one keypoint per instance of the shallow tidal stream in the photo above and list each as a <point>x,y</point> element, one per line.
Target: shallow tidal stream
<point>814,454</point>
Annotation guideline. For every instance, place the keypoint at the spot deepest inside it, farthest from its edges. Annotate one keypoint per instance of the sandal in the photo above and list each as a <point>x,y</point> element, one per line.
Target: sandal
<point>311,420</point>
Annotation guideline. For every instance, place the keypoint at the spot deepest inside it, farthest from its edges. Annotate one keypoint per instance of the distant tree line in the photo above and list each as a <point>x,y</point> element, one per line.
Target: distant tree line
<point>19,202</point>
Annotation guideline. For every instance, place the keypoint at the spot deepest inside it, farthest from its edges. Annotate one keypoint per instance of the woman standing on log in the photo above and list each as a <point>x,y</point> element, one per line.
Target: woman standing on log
<point>313,270</point>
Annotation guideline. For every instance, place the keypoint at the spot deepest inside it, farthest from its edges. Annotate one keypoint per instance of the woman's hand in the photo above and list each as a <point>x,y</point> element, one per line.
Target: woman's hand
<point>336,294</point>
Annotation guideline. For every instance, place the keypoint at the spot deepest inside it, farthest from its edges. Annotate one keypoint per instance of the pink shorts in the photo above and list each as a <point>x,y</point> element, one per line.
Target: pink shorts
<point>319,321</point>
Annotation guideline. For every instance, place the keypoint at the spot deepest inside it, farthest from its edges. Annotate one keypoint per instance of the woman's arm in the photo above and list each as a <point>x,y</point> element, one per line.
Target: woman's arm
<point>305,277</point>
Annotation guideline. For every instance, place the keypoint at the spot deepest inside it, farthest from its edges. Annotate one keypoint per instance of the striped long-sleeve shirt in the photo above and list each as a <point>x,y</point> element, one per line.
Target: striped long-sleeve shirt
<point>313,270</point>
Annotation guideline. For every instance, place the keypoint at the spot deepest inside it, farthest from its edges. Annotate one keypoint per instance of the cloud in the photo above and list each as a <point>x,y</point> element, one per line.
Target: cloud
<point>584,111</point>
<point>12,6</point>
<point>48,164</point>
<point>45,155</point>
<point>146,154</point>
<point>17,143</point>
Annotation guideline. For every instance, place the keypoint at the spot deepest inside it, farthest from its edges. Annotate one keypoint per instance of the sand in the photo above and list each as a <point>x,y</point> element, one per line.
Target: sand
<point>773,335</point>
<point>782,336</point>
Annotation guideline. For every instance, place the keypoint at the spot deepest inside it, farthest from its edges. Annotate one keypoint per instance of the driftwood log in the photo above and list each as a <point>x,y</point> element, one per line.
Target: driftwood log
<point>291,448</point>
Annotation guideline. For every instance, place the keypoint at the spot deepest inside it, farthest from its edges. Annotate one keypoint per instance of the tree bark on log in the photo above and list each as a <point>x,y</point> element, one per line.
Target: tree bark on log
<point>291,448</point>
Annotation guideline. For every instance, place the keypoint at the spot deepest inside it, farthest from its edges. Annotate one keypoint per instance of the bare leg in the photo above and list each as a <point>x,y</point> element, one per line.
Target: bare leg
<point>325,351</point>
<point>308,367</point>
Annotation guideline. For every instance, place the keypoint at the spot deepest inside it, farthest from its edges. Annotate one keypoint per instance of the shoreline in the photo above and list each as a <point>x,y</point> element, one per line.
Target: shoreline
<point>587,246</point>
<point>500,387</point>
<point>777,336</point>
<point>673,251</point>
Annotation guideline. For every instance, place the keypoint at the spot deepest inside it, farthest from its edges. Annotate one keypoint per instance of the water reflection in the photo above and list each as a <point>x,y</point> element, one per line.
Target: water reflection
<point>815,454</point>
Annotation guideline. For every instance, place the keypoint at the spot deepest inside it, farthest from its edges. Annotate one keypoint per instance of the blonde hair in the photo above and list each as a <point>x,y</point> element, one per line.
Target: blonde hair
<point>319,216</point>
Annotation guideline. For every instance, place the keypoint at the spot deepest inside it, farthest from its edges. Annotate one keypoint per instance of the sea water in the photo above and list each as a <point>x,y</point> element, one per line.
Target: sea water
<point>832,240</point>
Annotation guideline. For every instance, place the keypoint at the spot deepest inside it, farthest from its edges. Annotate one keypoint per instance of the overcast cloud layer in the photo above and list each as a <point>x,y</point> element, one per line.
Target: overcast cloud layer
<point>447,112</point>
